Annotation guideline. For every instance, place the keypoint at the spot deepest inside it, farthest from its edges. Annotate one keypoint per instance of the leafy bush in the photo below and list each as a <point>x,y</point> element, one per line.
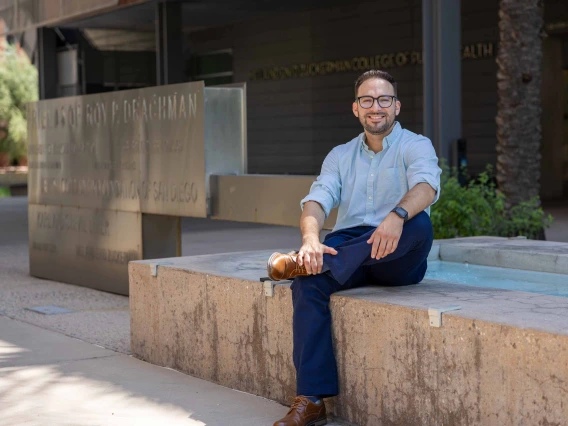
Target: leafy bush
<point>4,192</point>
<point>18,85</point>
<point>478,208</point>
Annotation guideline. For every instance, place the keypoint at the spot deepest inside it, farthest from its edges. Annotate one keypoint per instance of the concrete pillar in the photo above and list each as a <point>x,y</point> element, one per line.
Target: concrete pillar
<point>162,234</point>
<point>441,40</point>
<point>169,44</point>
<point>47,63</point>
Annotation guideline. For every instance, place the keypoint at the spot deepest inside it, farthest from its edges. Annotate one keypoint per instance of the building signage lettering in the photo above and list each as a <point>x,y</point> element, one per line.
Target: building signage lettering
<point>67,222</point>
<point>106,255</point>
<point>154,108</point>
<point>554,27</point>
<point>363,63</point>
<point>182,192</point>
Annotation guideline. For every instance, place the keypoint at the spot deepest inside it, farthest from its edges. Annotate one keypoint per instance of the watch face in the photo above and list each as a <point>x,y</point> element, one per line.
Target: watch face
<point>401,212</point>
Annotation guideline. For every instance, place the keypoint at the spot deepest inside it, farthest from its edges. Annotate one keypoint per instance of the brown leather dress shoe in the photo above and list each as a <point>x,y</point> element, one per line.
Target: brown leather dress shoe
<point>304,412</point>
<point>283,266</point>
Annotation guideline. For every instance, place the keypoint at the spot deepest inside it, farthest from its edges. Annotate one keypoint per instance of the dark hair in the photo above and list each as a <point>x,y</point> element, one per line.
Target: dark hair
<point>367,75</point>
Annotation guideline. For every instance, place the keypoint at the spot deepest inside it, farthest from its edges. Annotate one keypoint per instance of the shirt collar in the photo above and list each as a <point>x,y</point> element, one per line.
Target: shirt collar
<point>387,141</point>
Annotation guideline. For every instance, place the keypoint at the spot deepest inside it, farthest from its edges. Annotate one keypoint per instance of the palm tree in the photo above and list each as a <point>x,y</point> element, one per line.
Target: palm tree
<point>519,62</point>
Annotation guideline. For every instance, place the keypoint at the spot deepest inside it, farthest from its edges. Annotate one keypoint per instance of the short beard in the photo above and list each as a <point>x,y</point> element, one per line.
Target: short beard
<point>377,130</point>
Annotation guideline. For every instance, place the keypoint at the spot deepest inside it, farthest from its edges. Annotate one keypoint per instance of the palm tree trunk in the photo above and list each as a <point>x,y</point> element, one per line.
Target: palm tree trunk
<point>519,62</point>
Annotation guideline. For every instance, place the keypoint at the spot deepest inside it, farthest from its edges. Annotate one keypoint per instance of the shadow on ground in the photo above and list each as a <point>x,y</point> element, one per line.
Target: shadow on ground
<point>48,378</point>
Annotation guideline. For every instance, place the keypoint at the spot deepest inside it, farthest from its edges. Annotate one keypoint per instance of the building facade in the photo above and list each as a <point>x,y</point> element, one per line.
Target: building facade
<point>299,61</point>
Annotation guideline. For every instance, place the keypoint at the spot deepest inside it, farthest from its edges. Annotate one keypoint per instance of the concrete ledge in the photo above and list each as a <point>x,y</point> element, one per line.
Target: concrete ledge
<point>501,360</point>
<point>15,178</point>
<point>541,256</point>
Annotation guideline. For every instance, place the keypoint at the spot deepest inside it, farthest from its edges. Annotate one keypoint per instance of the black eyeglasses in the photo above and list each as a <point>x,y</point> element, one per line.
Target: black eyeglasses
<point>384,101</point>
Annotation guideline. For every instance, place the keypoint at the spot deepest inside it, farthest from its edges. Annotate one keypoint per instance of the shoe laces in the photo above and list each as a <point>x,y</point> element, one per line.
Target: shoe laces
<point>297,268</point>
<point>298,401</point>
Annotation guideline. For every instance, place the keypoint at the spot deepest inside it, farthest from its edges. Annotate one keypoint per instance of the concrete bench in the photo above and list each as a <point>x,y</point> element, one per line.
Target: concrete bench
<point>500,360</point>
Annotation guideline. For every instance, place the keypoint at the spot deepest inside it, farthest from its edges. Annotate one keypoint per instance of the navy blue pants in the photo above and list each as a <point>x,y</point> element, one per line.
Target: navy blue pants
<point>351,267</point>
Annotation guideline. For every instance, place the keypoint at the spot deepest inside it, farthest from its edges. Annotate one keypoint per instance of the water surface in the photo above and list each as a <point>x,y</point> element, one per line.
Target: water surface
<point>503,278</point>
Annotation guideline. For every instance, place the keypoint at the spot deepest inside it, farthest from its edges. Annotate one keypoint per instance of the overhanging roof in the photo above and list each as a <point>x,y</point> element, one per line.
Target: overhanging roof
<point>17,16</point>
<point>197,14</point>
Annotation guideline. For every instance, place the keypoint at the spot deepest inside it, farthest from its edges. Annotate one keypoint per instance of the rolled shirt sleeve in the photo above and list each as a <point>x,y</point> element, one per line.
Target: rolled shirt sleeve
<point>326,190</point>
<point>422,165</point>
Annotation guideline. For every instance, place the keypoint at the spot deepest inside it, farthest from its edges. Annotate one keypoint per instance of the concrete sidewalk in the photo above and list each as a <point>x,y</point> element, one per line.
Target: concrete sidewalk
<point>50,379</point>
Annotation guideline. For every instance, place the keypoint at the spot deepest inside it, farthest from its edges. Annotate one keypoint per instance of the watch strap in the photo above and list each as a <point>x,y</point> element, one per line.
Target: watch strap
<point>401,212</point>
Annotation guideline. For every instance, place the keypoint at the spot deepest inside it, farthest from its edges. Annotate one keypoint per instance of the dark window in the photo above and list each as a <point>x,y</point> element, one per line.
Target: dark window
<point>213,67</point>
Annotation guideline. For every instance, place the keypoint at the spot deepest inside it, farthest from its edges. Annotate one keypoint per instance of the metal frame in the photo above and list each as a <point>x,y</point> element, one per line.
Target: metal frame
<point>47,63</point>
<point>169,51</point>
<point>442,104</point>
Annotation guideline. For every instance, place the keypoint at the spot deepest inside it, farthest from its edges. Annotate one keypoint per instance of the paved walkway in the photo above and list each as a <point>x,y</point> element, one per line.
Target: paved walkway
<point>47,378</point>
<point>75,369</point>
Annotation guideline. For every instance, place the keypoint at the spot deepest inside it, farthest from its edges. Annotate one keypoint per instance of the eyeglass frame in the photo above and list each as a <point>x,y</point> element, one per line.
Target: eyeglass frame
<point>376,99</point>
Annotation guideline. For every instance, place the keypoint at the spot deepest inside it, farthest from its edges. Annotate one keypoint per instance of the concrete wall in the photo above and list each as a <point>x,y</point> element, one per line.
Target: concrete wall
<point>501,360</point>
<point>220,329</point>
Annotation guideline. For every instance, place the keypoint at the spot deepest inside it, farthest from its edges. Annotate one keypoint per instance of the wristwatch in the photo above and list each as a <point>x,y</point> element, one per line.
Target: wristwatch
<point>400,212</point>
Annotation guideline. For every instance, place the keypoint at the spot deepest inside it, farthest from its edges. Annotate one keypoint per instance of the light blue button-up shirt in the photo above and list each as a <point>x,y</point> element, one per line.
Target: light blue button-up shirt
<point>367,186</point>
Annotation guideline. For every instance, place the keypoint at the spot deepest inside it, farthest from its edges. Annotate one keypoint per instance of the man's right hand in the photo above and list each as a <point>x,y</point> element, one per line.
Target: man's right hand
<point>311,255</point>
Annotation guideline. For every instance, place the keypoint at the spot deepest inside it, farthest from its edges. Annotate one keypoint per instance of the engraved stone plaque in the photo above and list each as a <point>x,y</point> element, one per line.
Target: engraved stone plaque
<point>110,174</point>
<point>137,150</point>
<point>82,246</point>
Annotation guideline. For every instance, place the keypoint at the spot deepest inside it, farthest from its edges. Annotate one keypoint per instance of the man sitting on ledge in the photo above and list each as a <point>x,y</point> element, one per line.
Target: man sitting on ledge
<point>383,181</point>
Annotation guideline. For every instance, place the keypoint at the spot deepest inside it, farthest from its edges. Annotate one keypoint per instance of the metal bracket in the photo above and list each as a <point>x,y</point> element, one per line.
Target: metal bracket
<point>269,285</point>
<point>268,288</point>
<point>435,314</point>
<point>154,267</point>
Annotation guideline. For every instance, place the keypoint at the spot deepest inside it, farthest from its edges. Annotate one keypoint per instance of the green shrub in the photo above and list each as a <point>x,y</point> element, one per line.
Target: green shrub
<point>478,208</point>
<point>4,192</point>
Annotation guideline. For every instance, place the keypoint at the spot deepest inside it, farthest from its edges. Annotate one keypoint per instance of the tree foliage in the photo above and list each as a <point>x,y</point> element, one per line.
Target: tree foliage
<point>18,85</point>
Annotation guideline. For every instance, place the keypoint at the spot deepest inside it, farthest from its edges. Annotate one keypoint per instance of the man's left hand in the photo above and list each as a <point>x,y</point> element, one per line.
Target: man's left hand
<point>386,236</point>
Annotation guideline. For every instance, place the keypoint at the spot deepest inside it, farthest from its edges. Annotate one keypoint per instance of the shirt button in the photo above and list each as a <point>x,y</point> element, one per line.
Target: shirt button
<point>372,175</point>
<point>370,198</point>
